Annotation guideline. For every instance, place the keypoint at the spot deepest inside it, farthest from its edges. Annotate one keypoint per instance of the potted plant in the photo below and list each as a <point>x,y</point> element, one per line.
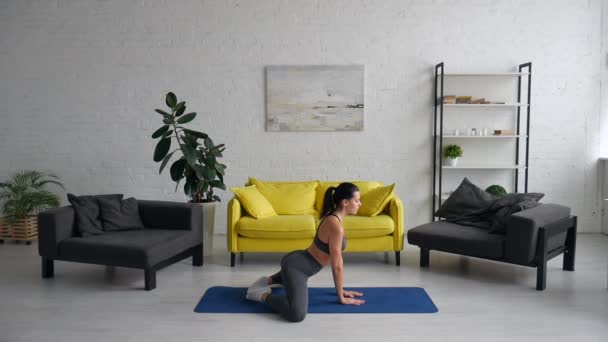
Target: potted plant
<point>452,153</point>
<point>24,197</point>
<point>197,161</point>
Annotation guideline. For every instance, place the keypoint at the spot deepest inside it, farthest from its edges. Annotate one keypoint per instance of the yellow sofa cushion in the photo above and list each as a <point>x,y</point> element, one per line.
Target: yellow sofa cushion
<point>363,186</point>
<point>278,227</point>
<point>374,201</point>
<point>288,198</point>
<point>364,227</point>
<point>254,202</point>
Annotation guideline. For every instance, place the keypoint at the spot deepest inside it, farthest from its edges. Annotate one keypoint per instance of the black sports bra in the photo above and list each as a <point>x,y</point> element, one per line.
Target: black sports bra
<point>324,247</point>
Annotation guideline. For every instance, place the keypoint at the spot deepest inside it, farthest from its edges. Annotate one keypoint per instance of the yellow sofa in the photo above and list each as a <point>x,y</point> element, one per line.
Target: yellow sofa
<point>284,232</point>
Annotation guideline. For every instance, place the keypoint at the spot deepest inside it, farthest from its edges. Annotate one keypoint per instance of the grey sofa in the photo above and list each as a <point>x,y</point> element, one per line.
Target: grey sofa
<point>532,237</point>
<point>173,232</point>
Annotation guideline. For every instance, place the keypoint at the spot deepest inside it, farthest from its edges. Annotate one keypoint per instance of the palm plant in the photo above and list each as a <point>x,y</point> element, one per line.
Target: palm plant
<point>24,194</point>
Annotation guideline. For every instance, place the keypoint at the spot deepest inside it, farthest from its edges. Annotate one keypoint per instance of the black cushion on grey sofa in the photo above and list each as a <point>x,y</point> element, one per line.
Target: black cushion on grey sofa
<point>531,238</point>
<point>172,232</point>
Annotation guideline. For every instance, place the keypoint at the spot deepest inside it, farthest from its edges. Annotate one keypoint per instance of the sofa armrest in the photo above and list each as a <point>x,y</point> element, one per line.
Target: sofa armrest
<point>395,209</point>
<point>522,230</point>
<point>171,215</point>
<point>235,212</point>
<point>54,226</point>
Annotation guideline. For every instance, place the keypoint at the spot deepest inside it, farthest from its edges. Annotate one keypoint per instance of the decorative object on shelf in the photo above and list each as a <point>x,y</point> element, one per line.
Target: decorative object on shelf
<point>486,163</point>
<point>496,190</point>
<point>198,163</point>
<point>314,98</point>
<point>24,196</point>
<point>452,153</point>
<point>503,132</point>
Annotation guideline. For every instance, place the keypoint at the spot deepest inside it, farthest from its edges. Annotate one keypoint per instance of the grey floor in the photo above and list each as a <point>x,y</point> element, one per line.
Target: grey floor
<point>478,300</point>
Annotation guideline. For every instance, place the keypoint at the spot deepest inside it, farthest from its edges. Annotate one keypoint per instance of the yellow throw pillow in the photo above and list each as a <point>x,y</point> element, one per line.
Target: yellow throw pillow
<point>374,201</point>
<point>289,198</point>
<point>363,186</point>
<point>254,202</point>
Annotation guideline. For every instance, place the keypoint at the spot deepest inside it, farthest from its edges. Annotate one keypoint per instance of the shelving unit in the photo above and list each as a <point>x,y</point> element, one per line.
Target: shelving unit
<point>519,142</point>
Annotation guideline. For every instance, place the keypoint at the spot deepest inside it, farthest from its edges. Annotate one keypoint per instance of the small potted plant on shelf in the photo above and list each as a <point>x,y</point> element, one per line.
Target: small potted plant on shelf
<point>452,153</point>
<point>197,165</point>
<point>24,196</point>
<point>496,190</point>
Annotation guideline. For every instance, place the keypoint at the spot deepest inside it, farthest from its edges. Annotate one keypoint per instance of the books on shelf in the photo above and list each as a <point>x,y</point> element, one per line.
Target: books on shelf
<point>503,132</point>
<point>449,99</point>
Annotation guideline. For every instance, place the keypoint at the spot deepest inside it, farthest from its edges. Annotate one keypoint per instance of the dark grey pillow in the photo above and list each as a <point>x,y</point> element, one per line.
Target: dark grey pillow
<point>467,201</point>
<point>87,212</point>
<point>510,204</point>
<point>119,214</point>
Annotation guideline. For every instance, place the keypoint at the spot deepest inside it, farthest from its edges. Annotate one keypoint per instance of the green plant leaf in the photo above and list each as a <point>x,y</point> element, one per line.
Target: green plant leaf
<point>197,134</point>
<point>159,132</point>
<point>190,154</point>
<point>220,168</point>
<point>180,108</point>
<point>200,171</point>
<point>218,184</point>
<point>171,100</point>
<point>177,169</point>
<point>186,118</point>
<point>217,198</point>
<point>209,143</point>
<point>168,121</point>
<point>169,132</point>
<point>163,113</point>
<point>162,148</point>
<point>165,160</point>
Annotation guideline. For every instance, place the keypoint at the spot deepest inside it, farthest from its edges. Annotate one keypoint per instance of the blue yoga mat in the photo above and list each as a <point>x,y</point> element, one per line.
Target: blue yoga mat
<point>221,299</point>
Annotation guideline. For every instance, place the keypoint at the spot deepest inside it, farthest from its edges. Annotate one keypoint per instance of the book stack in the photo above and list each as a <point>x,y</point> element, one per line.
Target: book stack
<point>503,132</point>
<point>450,99</point>
<point>463,99</point>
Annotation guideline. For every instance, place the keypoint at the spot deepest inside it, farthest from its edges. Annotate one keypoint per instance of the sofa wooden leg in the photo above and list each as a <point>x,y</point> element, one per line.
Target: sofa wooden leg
<point>398,258</point>
<point>570,248</point>
<point>197,255</point>
<point>48,268</point>
<point>424,257</point>
<point>232,257</point>
<point>150,278</point>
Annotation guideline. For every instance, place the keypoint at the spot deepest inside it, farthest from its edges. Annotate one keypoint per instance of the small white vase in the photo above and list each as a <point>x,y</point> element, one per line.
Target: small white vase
<point>451,161</point>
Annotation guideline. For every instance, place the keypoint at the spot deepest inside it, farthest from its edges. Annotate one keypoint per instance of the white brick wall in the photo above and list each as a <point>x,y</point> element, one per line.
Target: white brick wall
<point>80,80</point>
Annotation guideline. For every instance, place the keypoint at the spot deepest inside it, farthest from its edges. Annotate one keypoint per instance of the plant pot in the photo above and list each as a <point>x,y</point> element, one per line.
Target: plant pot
<point>208,226</point>
<point>451,161</point>
<point>25,229</point>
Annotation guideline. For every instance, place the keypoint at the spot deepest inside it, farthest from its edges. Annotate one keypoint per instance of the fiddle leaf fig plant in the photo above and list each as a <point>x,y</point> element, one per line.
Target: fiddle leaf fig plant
<point>197,158</point>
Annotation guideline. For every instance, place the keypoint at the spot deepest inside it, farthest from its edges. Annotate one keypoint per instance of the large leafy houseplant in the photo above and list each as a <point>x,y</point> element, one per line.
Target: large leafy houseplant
<point>23,194</point>
<point>198,164</point>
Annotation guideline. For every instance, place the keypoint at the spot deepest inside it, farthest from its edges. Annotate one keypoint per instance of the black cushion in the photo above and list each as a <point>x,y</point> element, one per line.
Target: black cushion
<point>86,209</point>
<point>467,204</point>
<point>510,204</point>
<point>118,214</point>
<point>456,238</point>
<point>133,248</point>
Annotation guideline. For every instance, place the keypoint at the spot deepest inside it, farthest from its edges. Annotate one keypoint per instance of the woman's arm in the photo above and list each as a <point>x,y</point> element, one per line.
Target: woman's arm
<point>335,252</point>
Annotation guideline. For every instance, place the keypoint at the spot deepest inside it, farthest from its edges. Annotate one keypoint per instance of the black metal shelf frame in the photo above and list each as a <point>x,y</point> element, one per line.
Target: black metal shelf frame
<point>525,71</point>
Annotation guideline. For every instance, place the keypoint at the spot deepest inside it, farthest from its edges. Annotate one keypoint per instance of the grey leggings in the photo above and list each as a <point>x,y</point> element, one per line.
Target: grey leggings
<point>296,268</point>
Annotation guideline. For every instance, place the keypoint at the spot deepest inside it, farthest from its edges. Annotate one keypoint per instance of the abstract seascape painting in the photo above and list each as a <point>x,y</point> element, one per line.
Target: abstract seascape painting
<point>314,98</point>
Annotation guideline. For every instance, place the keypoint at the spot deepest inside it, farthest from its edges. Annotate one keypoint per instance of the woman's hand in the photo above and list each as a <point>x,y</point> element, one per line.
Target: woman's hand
<point>351,301</point>
<point>352,294</point>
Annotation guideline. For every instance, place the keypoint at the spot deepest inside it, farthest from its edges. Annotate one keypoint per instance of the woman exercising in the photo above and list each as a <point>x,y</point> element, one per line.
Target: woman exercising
<point>298,266</point>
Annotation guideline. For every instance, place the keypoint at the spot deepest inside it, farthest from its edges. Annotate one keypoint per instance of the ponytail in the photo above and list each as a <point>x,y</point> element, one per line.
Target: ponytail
<point>328,201</point>
<point>334,195</point>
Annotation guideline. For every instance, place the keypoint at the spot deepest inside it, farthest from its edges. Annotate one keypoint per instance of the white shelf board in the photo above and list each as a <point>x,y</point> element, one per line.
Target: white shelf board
<point>491,74</point>
<point>484,166</point>
<point>482,137</point>
<point>484,105</point>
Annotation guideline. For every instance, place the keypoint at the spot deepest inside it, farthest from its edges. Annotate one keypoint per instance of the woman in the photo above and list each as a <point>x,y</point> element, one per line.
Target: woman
<point>298,266</point>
